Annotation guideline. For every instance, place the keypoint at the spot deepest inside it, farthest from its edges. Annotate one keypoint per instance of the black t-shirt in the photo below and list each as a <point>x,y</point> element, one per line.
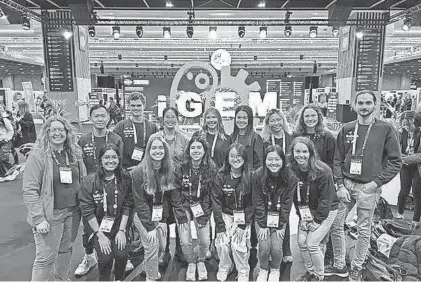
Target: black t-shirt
<point>65,195</point>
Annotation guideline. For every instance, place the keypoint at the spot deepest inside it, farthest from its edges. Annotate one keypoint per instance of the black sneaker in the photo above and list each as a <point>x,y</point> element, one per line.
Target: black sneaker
<point>355,274</point>
<point>315,278</point>
<point>304,277</point>
<point>332,270</point>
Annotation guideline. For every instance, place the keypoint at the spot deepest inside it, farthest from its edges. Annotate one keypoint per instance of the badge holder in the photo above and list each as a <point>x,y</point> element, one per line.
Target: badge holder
<point>106,224</point>
<point>272,219</point>
<point>239,217</point>
<point>305,213</point>
<point>66,175</point>
<point>157,213</point>
<point>356,166</point>
<point>197,210</point>
<point>137,154</point>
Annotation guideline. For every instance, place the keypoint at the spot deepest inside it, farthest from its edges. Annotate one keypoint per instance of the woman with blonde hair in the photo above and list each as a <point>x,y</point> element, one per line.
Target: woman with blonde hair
<point>51,183</point>
<point>275,130</point>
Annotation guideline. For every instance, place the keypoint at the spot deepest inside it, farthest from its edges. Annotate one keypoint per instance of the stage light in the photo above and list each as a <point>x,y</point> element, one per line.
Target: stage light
<point>190,31</point>
<point>119,56</point>
<point>315,67</point>
<point>262,4</point>
<point>313,32</point>
<point>335,31</point>
<point>137,65</point>
<point>116,32</point>
<point>26,23</point>
<point>288,30</point>
<point>359,33</point>
<point>67,34</point>
<point>263,32</point>
<point>407,23</point>
<point>166,32</point>
<point>241,31</point>
<point>91,31</point>
<point>212,32</point>
<point>101,68</point>
<point>168,4</point>
<point>139,31</point>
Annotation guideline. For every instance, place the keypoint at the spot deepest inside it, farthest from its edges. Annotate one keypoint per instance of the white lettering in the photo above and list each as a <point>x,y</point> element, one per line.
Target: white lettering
<point>195,104</point>
<point>225,103</point>
<point>261,107</point>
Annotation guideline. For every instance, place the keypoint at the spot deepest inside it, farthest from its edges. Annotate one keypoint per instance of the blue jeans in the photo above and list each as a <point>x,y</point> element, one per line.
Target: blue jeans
<point>309,245</point>
<point>54,249</point>
<point>271,247</point>
<point>337,235</point>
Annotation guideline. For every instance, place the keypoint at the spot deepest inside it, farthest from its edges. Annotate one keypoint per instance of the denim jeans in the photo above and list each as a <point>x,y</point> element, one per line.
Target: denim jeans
<point>88,245</point>
<point>410,177</point>
<point>54,249</point>
<point>309,245</point>
<point>271,247</point>
<point>240,252</point>
<point>186,241</point>
<point>152,251</point>
<point>337,235</point>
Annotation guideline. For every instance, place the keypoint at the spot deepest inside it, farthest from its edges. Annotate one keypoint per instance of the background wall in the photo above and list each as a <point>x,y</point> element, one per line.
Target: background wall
<point>14,82</point>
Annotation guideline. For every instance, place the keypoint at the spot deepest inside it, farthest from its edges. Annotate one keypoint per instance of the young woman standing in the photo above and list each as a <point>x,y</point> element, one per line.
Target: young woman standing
<point>275,130</point>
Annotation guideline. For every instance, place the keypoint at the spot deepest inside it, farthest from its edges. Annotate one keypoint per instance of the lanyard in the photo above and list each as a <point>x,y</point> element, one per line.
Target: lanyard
<point>115,197</point>
<point>238,202</point>
<point>198,186</point>
<point>135,133</point>
<point>214,144</point>
<point>55,159</point>
<point>273,189</point>
<point>299,185</point>
<point>162,198</point>
<point>173,140</point>
<point>283,140</point>
<point>354,143</point>
<point>94,147</point>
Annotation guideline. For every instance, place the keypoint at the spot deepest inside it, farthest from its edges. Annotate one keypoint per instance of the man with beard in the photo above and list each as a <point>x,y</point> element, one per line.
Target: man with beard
<point>367,157</point>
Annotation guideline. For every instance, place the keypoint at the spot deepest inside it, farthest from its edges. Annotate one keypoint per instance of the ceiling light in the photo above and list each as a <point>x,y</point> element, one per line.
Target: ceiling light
<point>241,31</point>
<point>101,68</point>
<point>2,14</point>
<point>335,31</point>
<point>359,33</point>
<point>169,4</point>
<point>26,23</point>
<point>313,32</point>
<point>137,65</point>
<point>116,32</point>
<point>288,30</point>
<point>139,31</point>
<point>119,56</point>
<point>91,31</point>
<point>263,32</point>
<point>212,32</point>
<point>407,23</point>
<point>189,31</point>
<point>262,4</point>
<point>67,34</point>
<point>166,32</point>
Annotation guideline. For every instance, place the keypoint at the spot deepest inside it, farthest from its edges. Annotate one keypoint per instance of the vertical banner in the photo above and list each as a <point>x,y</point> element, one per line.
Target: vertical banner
<point>290,91</point>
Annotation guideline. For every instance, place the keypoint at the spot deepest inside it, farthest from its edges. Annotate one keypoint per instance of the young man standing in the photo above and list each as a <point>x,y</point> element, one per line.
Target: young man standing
<point>135,131</point>
<point>91,143</point>
<point>367,157</point>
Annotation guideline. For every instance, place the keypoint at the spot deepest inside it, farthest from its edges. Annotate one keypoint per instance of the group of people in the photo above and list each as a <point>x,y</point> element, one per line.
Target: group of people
<point>237,189</point>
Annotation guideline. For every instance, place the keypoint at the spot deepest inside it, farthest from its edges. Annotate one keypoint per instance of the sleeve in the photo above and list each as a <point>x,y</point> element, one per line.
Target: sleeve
<point>326,191</point>
<point>127,206</point>
<point>140,202</point>
<point>258,201</point>
<point>120,146</point>
<point>216,198</point>
<point>119,128</point>
<point>330,149</point>
<point>82,168</point>
<point>258,151</point>
<point>339,158</point>
<point>287,200</point>
<point>177,201</point>
<point>206,206</point>
<point>87,203</point>
<point>31,188</point>
<point>393,156</point>
<point>248,207</point>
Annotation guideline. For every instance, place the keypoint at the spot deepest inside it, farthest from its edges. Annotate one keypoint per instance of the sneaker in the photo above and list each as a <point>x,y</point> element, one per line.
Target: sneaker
<point>223,275</point>
<point>208,255</point>
<point>287,259</point>
<point>315,278</point>
<point>304,277</point>
<point>263,275</point>
<point>87,263</point>
<point>274,275</point>
<point>399,215</point>
<point>243,277</point>
<point>203,272</point>
<point>164,260</point>
<point>355,274</point>
<point>332,270</point>
<point>129,266</point>
<point>191,272</point>
<point>150,280</point>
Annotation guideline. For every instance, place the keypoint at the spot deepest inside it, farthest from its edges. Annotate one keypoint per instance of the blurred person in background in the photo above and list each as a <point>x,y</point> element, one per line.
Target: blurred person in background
<point>26,126</point>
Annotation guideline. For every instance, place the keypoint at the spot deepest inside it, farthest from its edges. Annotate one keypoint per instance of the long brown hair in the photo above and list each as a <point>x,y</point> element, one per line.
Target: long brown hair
<point>313,168</point>
<point>300,129</point>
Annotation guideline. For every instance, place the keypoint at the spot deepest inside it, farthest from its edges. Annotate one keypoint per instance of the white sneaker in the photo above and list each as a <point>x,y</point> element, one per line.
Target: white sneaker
<point>191,272</point>
<point>263,275</point>
<point>243,277</point>
<point>201,269</point>
<point>398,215</point>
<point>150,280</point>
<point>88,261</point>
<point>129,266</point>
<point>274,275</point>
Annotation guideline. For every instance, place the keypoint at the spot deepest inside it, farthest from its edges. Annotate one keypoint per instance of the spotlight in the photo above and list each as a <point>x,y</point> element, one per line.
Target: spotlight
<point>313,32</point>
<point>301,57</point>
<point>262,4</point>
<point>359,33</point>
<point>137,65</point>
<point>241,31</point>
<point>101,68</point>
<point>212,32</point>
<point>407,23</point>
<point>335,31</point>
<point>288,30</point>
<point>165,57</point>
<point>139,31</point>
<point>169,4</point>
<point>91,31</point>
<point>315,67</point>
<point>263,32</point>
<point>67,34</point>
<point>189,31</point>
<point>116,32</point>
<point>119,56</point>
<point>166,32</point>
<point>255,58</point>
<point>26,22</point>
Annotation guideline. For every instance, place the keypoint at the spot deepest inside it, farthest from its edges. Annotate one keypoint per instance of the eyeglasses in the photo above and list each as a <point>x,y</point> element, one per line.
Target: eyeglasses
<point>109,158</point>
<point>236,157</point>
<point>60,130</point>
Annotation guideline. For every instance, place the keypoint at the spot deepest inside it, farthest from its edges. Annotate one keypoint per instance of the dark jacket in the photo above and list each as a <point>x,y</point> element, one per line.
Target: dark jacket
<point>382,156</point>
<point>221,149</point>
<point>262,192</point>
<point>27,127</point>
<point>143,202</point>
<point>91,199</point>
<point>224,201</point>
<point>255,148</point>
<point>322,196</point>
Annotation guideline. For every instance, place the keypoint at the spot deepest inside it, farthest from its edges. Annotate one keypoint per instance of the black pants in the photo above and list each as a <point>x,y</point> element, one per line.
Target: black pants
<point>88,245</point>
<point>286,245</point>
<point>105,262</point>
<point>410,177</point>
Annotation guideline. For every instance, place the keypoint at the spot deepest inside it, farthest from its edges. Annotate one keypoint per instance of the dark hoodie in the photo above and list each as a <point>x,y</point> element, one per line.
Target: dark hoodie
<point>254,145</point>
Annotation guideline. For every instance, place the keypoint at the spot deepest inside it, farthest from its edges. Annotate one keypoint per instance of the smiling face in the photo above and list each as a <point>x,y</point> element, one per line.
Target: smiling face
<point>157,151</point>
<point>99,118</point>
<point>310,118</point>
<point>137,107</point>
<point>364,105</point>
<point>170,119</point>
<point>241,120</point>
<point>197,151</point>
<point>110,160</point>
<point>57,133</point>
<point>211,120</point>
<point>235,160</point>
<point>274,162</point>
<point>301,154</point>
<point>275,122</point>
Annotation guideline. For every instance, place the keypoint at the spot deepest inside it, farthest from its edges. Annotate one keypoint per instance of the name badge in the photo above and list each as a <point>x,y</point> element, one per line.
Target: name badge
<point>356,166</point>
<point>239,217</point>
<point>137,154</point>
<point>66,175</point>
<point>197,210</point>
<point>305,213</point>
<point>106,224</point>
<point>157,213</point>
<point>272,219</point>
